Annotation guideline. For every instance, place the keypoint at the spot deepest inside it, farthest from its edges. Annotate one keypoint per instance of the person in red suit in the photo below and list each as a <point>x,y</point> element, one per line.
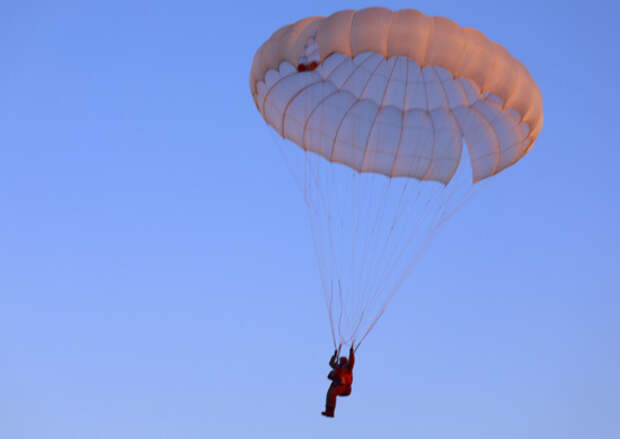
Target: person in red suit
<point>341,376</point>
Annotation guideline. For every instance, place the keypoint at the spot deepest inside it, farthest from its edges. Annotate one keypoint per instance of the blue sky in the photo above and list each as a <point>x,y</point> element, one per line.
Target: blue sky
<point>157,276</point>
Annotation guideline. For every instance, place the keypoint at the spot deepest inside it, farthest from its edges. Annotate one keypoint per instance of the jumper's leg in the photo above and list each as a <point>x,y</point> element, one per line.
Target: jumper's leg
<point>346,391</point>
<point>330,401</point>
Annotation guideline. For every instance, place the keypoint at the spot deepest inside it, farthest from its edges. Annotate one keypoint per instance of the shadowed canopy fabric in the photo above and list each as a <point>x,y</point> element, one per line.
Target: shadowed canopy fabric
<point>396,93</point>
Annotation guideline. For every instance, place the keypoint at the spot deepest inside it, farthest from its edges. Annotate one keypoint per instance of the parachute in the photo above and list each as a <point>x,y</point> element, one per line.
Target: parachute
<point>380,104</point>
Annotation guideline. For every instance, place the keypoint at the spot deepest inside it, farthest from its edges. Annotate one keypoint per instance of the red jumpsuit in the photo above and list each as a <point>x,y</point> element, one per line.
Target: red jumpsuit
<point>341,376</point>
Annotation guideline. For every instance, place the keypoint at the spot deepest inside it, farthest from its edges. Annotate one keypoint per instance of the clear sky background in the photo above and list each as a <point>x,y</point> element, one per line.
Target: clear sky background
<point>157,276</point>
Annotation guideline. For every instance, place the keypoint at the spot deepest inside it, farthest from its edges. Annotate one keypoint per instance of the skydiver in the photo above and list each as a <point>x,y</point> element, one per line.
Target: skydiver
<point>341,376</point>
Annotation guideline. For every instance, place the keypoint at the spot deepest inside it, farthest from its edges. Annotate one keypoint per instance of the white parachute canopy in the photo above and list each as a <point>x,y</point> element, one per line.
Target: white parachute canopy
<point>380,103</point>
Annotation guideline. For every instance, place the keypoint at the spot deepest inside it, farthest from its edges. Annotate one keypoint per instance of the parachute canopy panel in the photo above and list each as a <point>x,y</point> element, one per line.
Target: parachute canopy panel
<point>396,93</point>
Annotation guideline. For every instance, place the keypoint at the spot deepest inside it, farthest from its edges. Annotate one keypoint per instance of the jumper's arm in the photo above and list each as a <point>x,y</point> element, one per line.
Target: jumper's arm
<point>333,359</point>
<point>351,358</point>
